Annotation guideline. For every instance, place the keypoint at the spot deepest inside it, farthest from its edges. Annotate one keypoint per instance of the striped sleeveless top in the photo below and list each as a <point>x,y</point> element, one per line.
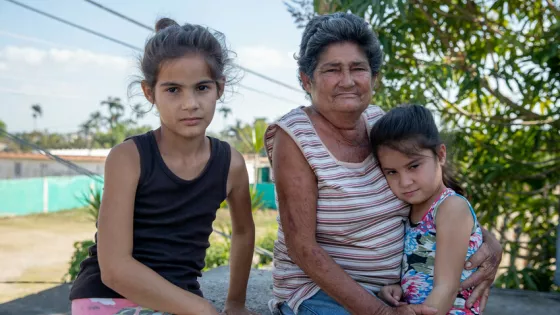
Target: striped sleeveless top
<point>360,222</point>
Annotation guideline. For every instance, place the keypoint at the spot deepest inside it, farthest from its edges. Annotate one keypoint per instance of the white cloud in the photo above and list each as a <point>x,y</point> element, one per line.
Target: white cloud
<point>3,66</point>
<point>261,57</point>
<point>71,59</point>
<point>28,55</point>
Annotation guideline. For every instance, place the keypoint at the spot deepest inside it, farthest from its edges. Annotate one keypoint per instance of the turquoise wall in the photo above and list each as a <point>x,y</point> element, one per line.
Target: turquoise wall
<point>27,196</point>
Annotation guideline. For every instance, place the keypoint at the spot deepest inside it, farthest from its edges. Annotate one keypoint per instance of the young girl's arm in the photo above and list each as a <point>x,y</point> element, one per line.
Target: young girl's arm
<point>119,270</point>
<point>243,237</point>
<point>454,224</point>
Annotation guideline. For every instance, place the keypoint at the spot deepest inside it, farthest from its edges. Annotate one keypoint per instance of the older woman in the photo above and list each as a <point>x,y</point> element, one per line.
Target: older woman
<point>340,236</point>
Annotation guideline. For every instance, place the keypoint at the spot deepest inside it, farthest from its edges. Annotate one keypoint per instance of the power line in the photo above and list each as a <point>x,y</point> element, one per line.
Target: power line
<point>140,50</point>
<point>96,177</point>
<point>262,76</point>
<point>73,25</point>
<point>268,94</point>
<point>51,156</point>
<point>122,16</point>
<point>131,20</point>
<point>270,79</point>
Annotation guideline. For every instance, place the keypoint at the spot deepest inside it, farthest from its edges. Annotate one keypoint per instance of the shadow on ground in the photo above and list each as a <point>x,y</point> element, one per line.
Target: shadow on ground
<point>214,285</point>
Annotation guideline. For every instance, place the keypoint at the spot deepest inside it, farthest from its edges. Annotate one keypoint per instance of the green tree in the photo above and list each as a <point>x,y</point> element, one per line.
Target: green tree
<point>491,72</point>
<point>36,112</point>
<point>111,125</point>
<point>251,140</point>
<point>2,127</point>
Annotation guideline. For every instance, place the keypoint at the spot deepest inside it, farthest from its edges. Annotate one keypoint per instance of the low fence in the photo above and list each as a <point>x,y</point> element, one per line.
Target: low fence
<point>51,194</point>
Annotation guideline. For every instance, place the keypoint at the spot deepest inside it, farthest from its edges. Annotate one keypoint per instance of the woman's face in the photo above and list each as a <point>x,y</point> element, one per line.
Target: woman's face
<point>342,82</point>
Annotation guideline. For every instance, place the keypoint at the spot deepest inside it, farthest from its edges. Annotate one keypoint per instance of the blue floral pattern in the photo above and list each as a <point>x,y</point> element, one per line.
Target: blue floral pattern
<point>419,259</point>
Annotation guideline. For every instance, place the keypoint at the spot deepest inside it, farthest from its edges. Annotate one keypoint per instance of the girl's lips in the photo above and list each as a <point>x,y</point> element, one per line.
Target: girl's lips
<point>410,193</point>
<point>191,121</point>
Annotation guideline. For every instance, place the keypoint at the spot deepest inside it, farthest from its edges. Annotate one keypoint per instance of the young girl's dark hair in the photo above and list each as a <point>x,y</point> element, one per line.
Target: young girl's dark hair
<point>172,41</point>
<point>408,129</point>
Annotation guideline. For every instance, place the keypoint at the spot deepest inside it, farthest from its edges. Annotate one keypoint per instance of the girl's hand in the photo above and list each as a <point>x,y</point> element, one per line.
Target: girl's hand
<point>419,309</point>
<point>392,294</point>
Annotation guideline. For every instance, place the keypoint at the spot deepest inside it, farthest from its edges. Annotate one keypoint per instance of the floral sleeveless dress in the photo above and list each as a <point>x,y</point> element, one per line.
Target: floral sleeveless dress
<point>417,279</point>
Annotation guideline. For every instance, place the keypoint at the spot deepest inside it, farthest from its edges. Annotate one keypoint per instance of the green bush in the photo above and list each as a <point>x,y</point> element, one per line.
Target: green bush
<point>216,255</point>
<point>81,252</point>
<point>257,202</point>
<point>266,242</point>
<point>92,199</point>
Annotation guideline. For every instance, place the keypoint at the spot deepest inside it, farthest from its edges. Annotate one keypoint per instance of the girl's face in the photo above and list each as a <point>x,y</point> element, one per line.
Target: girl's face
<point>185,95</point>
<point>414,179</point>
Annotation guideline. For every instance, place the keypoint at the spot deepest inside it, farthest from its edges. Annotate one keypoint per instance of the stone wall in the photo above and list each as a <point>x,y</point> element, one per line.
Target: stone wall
<point>215,282</point>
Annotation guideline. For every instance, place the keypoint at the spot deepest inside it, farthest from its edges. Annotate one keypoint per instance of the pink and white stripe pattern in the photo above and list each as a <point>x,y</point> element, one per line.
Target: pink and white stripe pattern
<point>360,222</point>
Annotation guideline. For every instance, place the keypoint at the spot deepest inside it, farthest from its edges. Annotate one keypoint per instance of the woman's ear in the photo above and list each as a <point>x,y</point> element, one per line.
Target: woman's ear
<point>374,82</point>
<point>306,80</point>
<point>148,91</point>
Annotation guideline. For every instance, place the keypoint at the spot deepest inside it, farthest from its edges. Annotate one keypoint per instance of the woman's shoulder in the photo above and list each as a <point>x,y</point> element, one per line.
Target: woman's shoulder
<point>294,114</point>
<point>373,113</point>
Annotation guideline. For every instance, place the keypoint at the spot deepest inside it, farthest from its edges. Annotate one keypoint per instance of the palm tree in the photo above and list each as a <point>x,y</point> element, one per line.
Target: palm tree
<point>252,139</point>
<point>138,113</point>
<point>95,121</point>
<point>85,128</point>
<point>225,111</point>
<point>37,111</point>
<point>116,111</point>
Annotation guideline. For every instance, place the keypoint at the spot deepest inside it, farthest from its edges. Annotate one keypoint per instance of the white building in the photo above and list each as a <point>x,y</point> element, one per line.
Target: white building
<point>26,165</point>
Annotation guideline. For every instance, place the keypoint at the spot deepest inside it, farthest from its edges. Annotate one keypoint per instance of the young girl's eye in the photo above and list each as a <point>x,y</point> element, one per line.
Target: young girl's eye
<point>391,172</point>
<point>414,166</point>
<point>202,88</point>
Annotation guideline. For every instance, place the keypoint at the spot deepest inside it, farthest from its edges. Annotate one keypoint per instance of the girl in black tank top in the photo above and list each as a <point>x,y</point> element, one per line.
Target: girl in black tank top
<point>163,188</point>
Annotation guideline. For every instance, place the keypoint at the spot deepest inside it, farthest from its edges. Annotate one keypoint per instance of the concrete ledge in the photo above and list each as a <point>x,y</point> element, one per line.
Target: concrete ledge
<point>215,283</point>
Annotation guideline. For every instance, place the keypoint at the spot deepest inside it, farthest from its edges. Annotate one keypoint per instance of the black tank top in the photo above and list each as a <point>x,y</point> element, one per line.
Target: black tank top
<point>172,220</point>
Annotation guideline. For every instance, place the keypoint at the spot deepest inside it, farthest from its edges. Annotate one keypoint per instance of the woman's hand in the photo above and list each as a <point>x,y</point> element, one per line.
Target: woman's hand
<point>392,295</point>
<point>487,259</point>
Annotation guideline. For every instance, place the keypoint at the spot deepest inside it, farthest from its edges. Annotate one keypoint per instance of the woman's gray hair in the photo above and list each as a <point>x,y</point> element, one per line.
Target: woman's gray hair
<point>339,27</point>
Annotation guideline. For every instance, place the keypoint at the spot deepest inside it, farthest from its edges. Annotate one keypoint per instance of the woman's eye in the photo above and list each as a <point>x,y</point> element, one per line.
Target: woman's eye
<point>414,166</point>
<point>172,90</point>
<point>203,87</point>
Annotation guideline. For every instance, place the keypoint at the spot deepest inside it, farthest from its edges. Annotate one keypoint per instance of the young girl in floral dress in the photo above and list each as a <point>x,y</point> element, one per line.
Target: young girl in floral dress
<point>442,231</point>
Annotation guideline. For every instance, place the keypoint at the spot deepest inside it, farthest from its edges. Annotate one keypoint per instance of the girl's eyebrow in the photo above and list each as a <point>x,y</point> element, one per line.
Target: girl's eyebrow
<point>206,82</point>
<point>171,83</point>
<point>416,160</point>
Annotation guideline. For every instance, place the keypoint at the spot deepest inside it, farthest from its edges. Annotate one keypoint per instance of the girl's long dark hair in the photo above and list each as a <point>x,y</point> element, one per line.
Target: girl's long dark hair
<point>408,129</point>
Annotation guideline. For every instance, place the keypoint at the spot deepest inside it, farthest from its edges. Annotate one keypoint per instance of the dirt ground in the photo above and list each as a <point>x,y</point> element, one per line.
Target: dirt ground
<point>39,247</point>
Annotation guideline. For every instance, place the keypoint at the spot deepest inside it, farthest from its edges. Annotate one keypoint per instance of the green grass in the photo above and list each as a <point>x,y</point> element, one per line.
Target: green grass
<point>51,220</point>
<point>39,236</point>
<point>265,222</point>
